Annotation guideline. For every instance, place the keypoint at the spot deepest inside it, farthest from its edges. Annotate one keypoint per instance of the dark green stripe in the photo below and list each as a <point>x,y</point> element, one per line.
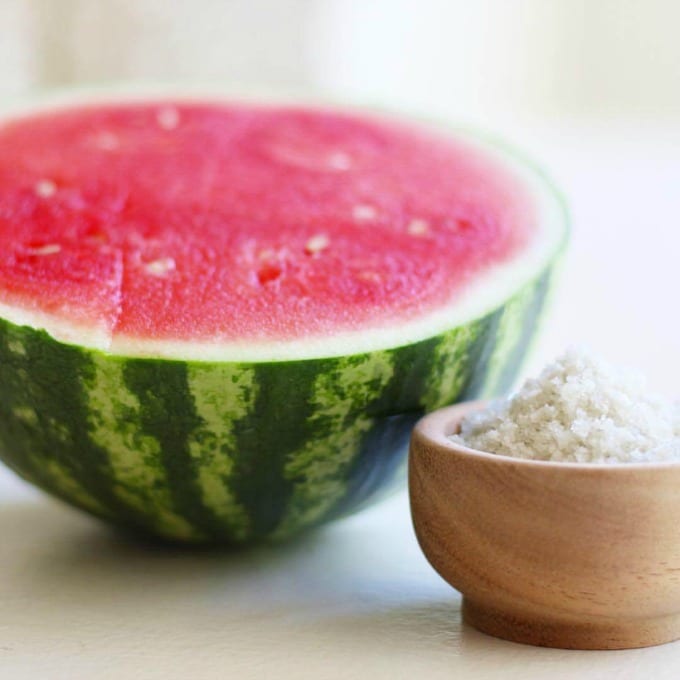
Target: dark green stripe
<point>48,377</point>
<point>15,435</point>
<point>479,355</point>
<point>383,451</point>
<point>396,410</point>
<point>277,427</point>
<point>412,366</point>
<point>380,463</point>
<point>167,413</point>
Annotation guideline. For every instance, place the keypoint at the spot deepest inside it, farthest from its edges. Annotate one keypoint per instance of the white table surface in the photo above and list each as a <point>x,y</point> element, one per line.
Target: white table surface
<point>357,599</point>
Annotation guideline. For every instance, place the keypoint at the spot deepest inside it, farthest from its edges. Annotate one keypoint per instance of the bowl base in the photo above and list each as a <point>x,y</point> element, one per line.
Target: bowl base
<point>591,633</point>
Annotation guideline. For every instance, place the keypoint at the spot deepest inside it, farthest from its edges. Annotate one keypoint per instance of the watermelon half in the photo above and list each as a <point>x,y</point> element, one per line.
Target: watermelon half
<point>219,321</point>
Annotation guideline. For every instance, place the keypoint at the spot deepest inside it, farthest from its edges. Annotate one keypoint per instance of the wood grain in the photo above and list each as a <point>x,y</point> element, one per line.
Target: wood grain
<point>553,554</point>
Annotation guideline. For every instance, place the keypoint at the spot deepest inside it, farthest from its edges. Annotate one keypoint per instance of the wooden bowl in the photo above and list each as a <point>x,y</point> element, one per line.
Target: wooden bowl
<point>578,556</point>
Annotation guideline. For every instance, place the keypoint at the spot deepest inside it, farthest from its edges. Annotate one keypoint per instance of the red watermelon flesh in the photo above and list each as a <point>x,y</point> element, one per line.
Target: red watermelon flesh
<point>202,221</point>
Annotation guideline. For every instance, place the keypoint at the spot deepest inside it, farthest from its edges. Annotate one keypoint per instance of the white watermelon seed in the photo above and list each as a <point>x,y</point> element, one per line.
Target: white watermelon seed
<point>316,244</point>
<point>168,117</point>
<point>364,212</point>
<point>45,188</point>
<point>160,267</point>
<point>418,227</point>
<point>266,254</point>
<point>48,249</point>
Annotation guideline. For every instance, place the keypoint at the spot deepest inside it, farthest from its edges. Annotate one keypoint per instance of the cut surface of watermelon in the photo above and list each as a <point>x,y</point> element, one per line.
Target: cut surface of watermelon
<point>206,230</point>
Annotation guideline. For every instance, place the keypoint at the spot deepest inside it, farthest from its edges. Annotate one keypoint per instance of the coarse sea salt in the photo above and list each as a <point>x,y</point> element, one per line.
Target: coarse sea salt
<point>579,410</point>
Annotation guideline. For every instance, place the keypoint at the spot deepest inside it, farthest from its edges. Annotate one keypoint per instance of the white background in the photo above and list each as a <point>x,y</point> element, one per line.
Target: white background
<point>591,90</point>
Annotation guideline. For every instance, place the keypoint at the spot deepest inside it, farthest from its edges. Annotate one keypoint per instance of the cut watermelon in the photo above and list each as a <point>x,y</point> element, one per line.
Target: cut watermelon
<point>220,320</point>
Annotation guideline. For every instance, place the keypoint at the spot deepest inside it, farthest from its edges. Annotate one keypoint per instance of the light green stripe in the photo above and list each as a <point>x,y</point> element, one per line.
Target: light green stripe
<point>508,334</point>
<point>138,477</point>
<point>339,399</point>
<point>222,396</point>
<point>61,480</point>
<point>450,367</point>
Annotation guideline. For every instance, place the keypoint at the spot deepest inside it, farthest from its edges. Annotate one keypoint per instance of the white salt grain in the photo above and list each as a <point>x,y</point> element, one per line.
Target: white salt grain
<point>579,410</point>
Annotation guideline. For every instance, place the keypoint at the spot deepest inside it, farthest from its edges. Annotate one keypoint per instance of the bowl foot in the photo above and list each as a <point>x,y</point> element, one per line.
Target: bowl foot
<point>591,633</point>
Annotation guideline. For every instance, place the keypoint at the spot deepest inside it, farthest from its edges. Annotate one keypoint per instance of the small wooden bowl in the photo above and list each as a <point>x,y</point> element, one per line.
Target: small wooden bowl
<point>576,556</point>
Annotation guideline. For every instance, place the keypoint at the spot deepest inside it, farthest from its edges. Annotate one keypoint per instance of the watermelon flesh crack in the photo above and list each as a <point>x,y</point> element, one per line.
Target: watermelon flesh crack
<point>152,228</point>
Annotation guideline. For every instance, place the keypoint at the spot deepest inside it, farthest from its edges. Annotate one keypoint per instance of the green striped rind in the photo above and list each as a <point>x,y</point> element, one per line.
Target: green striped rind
<point>115,419</point>
<point>340,399</point>
<point>223,395</point>
<point>233,452</point>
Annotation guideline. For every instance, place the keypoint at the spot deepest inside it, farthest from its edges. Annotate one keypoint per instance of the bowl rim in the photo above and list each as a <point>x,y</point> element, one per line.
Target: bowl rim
<point>437,427</point>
